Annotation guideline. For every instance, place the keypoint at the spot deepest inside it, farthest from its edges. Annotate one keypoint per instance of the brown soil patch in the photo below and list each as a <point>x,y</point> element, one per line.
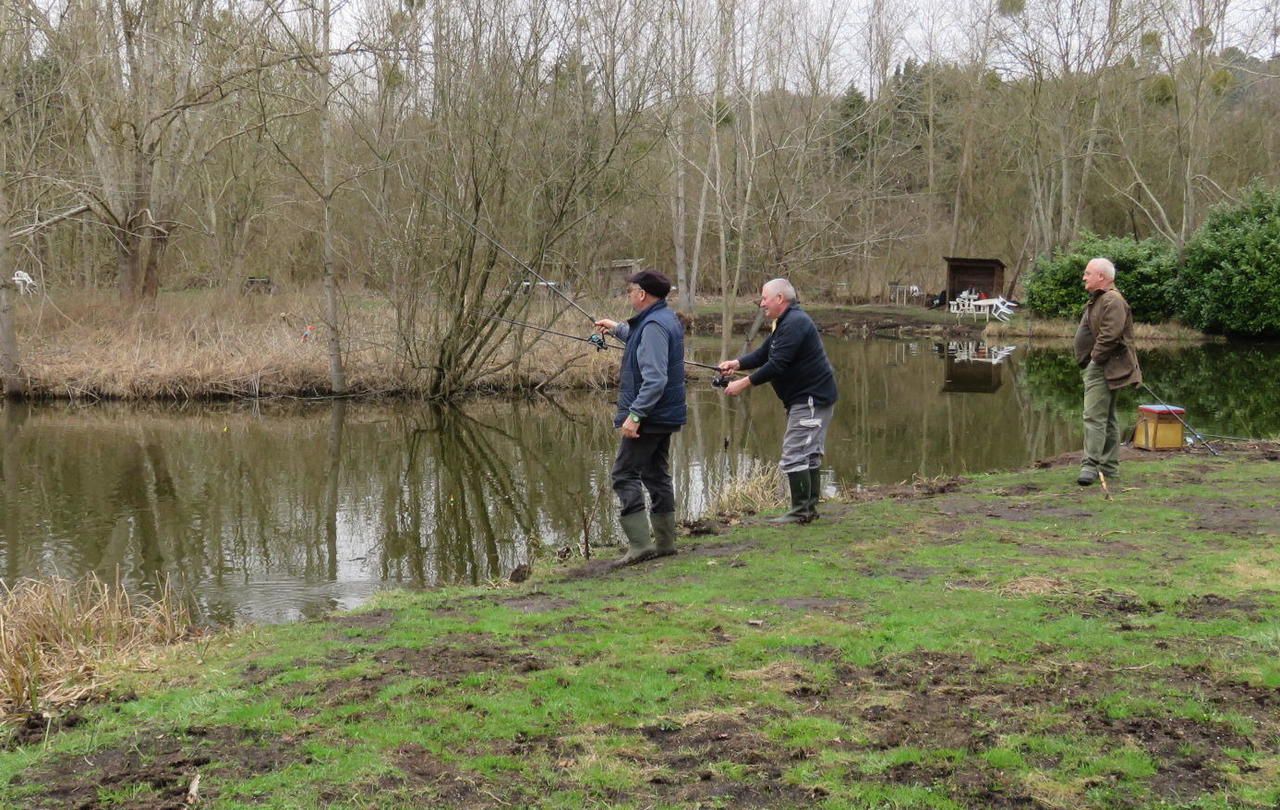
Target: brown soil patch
<point>424,772</point>
<point>1211,606</point>
<point>1018,489</point>
<point>1185,750</point>
<point>166,764</point>
<point>933,701</point>
<point>691,748</point>
<point>36,727</point>
<point>1228,519</point>
<point>371,620</point>
<point>701,527</point>
<point>446,663</point>
<point>1018,511</point>
<point>450,663</point>
<point>536,602</point>
<point>814,604</point>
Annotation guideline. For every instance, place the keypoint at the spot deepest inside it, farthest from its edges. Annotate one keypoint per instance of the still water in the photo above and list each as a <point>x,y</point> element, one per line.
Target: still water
<point>273,511</point>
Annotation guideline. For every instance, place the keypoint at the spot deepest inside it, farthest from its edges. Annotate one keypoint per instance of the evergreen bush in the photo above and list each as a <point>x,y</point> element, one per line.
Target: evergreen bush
<point>1230,279</point>
<point>1145,273</point>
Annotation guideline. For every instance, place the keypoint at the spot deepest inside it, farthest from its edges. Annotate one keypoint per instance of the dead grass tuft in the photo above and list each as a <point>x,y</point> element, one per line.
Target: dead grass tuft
<point>1034,586</point>
<point>755,487</point>
<point>59,638</point>
<point>1257,573</point>
<point>785,675</point>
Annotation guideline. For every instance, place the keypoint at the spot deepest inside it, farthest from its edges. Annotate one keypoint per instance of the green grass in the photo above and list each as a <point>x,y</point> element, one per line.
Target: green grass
<point>1049,648</point>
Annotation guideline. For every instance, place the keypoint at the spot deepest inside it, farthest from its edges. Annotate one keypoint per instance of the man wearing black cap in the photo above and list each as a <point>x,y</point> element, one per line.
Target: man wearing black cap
<point>651,406</point>
<point>794,361</point>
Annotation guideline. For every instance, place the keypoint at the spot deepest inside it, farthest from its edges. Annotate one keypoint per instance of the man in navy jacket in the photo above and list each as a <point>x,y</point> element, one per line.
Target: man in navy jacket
<point>651,406</point>
<point>794,361</point>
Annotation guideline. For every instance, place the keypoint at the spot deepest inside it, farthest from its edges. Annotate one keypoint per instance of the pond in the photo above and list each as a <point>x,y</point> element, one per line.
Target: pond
<point>272,511</point>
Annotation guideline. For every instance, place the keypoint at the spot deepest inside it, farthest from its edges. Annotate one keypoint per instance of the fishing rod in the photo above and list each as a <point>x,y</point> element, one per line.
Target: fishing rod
<point>1169,409</point>
<point>597,340</point>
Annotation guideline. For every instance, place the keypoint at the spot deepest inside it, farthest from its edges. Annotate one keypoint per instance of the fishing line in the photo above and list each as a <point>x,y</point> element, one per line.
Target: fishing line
<point>549,285</point>
<point>1169,409</point>
<point>720,381</point>
<point>597,340</point>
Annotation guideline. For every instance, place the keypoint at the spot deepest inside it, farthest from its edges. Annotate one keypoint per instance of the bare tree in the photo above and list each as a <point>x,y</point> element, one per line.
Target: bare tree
<point>144,74</point>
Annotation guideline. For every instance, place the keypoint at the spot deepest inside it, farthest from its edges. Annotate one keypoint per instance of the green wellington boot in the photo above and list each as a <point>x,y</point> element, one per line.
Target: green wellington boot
<point>815,492</point>
<point>664,534</point>
<point>639,542</point>
<point>801,511</point>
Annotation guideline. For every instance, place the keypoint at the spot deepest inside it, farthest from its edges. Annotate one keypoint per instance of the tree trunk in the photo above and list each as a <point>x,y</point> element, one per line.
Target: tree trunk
<point>337,375</point>
<point>678,215</point>
<point>9,368</point>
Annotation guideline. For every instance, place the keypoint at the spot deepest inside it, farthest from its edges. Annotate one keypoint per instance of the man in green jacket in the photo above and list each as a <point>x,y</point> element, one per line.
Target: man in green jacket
<point>1104,349</point>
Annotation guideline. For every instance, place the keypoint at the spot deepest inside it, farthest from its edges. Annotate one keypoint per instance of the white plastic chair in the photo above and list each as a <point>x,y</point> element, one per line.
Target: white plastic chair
<point>25,283</point>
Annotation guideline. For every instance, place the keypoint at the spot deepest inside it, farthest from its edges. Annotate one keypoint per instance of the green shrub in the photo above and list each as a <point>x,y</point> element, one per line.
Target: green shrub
<point>1145,273</point>
<point>1230,279</point>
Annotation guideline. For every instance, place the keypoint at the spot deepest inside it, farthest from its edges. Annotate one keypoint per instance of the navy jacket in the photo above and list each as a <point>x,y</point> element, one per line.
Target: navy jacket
<point>794,361</point>
<point>652,380</point>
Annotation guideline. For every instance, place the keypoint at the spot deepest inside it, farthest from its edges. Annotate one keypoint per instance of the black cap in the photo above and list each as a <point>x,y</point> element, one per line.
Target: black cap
<point>652,282</point>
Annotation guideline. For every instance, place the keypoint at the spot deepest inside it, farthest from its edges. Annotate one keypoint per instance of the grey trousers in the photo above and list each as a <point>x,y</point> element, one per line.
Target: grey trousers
<point>804,443</point>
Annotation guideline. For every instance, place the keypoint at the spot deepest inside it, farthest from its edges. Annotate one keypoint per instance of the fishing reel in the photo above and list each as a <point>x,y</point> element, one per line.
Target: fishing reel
<point>597,340</point>
<point>721,381</point>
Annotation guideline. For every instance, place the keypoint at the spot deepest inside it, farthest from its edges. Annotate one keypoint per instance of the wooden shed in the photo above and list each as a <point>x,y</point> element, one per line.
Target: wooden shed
<point>984,275</point>
<point>613,275</point>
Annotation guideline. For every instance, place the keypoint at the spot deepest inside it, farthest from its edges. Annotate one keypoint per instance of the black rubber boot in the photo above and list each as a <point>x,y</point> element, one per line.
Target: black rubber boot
<point>801,485</point>
<point>815,492</point>
<point>664,534</point>
<point>639,542</point>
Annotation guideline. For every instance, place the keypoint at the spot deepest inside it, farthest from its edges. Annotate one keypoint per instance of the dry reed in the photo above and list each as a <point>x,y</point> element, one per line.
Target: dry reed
<point>756,486</point>
<point>209,344</point>
<point>1023,327</point>
<point>60,639</point>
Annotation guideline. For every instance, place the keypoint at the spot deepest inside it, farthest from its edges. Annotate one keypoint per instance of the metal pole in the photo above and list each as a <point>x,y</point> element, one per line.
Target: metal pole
<point>1181,421</point>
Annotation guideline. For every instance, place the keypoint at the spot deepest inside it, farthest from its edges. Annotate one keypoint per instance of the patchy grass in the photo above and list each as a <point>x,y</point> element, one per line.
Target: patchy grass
<point>1011,640</point>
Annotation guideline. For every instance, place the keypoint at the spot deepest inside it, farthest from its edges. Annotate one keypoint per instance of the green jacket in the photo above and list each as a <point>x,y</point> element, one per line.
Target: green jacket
<point>1105,337</point>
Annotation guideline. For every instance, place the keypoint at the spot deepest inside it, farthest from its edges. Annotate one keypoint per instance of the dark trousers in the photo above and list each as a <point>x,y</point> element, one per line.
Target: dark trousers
<point>644,464</point>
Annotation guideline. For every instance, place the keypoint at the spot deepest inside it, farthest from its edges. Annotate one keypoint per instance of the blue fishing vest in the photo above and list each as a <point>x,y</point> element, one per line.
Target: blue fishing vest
<point>670,408</point>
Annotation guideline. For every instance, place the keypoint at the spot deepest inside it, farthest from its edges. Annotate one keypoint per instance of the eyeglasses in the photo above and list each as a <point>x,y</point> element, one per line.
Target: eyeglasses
<point>632,288</point>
